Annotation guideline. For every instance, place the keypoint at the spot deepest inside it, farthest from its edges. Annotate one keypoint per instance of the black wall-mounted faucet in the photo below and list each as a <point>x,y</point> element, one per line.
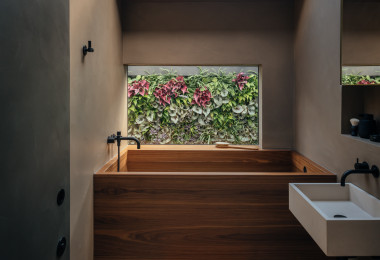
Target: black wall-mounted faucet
<point>361,168</point>
<point>87,49</point>
<point>111,139</point>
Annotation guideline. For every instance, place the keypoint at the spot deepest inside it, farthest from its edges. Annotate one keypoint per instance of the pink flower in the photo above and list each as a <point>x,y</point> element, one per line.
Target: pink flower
<point>177,84</point>
<point>164,94</point>
<point>170,90</point>
<point>138,87</point>
<point>180,85</point>
<point>365,82</point>
<point>241,80</point>
<point>201,98</point>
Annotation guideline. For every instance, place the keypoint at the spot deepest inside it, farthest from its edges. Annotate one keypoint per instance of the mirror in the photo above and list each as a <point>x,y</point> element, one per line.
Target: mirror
<point>360,62</point>
<point>361,42</point>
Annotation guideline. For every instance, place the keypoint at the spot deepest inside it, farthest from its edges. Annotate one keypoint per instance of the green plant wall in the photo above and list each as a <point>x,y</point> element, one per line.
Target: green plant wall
<point>167,108</point>
<point>356,79</point>
<point>360,75</point>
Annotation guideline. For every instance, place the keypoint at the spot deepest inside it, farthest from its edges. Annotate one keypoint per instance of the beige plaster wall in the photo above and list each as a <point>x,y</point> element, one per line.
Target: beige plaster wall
<point>361,32</point>
<point>221,33</point>
<point>318,94</point>
<point>361,46</point>
<point>97,108</point>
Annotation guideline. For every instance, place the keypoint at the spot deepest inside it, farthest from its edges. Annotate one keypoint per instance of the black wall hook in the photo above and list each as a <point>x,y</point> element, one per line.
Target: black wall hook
<point>87,49</point>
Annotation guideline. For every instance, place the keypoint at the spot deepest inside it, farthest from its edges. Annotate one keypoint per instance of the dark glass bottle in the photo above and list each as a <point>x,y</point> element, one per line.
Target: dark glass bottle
<point>367,126</point>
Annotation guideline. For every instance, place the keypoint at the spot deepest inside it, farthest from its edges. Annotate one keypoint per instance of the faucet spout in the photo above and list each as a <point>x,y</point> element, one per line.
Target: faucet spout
<point>132,139</point>
<point>374,171</point>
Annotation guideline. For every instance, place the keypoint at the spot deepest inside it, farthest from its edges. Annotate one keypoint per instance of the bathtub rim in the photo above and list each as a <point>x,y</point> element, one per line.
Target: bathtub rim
<point>298,161</point>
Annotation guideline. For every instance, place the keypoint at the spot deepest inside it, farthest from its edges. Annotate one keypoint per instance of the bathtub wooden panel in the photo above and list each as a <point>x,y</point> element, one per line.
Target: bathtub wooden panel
<point>300,163</point>
<point>199,216</point>
<point>209,161</point>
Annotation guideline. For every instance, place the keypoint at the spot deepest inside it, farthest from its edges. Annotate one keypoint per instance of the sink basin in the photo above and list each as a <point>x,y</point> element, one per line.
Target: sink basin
<point>343,221</point>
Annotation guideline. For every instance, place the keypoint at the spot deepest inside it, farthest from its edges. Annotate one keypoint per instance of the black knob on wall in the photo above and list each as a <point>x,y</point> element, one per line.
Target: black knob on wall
<point>61,197</point>
<point>61,246</point>
<point>86,49</point>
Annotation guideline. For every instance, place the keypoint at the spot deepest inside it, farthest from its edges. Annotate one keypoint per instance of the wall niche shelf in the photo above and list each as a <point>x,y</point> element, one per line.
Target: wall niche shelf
<point>356,100</point>
<point>363,140</point>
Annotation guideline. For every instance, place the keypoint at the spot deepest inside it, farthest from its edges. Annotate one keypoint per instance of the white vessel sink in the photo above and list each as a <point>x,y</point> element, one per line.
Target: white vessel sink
<point>343,221</point>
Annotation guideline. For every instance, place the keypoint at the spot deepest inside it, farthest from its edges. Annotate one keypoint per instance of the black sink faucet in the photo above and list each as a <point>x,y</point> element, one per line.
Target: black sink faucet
<point>111,139</point>
<point>361,168</point>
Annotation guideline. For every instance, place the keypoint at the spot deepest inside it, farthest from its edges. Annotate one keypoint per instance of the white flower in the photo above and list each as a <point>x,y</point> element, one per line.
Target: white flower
<point>197,110</point>
<point>238,109</point>
<point>140,119</point>
<point>174,119</point>
<point>221,135</point>
<point>231,138</point>
<point>224,93</point>
<point>244,139</point>
<point>166,141</point>
<point>245,109</point>
<point>150,117</point>
<point>172,112</point>
<point>251,110</point>
<point>218,101</point>
<point>201,121</point>
<point>206,111</point>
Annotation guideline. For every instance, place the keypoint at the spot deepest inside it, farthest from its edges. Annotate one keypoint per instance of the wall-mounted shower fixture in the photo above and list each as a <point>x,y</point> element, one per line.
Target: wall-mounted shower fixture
<point>111,139</point>
<point>87,49</point>
<point>361,168</point>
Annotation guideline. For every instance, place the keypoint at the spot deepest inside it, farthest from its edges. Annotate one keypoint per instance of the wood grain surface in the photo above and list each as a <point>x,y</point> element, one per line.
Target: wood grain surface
<point>195,215</point>
<point>209,161</point>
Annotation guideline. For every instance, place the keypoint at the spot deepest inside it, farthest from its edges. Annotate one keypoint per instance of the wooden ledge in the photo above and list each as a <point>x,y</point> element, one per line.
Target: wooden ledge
<point>199,159</point>
<point>176,147</point>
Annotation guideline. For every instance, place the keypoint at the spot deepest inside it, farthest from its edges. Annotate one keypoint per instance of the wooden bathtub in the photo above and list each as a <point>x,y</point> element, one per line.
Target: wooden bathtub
<point>202,203</point>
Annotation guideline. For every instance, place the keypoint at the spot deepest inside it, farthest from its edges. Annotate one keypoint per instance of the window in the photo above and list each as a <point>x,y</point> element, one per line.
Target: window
<point>360,75</point>
<point>193,105</point>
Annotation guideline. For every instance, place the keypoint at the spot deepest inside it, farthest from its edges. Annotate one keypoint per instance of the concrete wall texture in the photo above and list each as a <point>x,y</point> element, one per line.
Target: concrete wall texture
<point>35,130</point>
<point>361,46</point>
<point>222,33</point>
<point>97,108</point>
<point>318,94</point>
<point>361,32</point>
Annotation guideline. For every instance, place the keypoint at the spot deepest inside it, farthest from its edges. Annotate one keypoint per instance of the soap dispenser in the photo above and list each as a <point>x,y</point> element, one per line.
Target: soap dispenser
<point>367,126</point>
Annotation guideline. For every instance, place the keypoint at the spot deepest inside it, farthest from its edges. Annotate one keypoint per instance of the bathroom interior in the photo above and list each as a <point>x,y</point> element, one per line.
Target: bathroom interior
<point>190,129</point>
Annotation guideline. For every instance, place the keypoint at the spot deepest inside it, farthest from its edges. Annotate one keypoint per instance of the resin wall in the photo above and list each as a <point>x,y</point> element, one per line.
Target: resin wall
<point>221,33</point>
<point>34,98</point>
<point>318,94</point>
<point>97,108</point>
